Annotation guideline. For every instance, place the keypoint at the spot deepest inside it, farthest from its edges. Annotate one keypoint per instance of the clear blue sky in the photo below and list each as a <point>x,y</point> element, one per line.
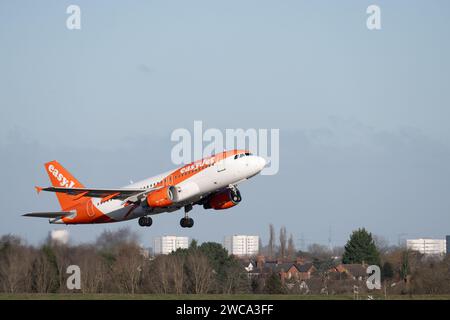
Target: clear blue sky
<point>363,115</point>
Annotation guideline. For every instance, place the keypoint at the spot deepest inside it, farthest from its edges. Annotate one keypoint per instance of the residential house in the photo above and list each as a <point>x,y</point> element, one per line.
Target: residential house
<point>353,271</point>
<point>298,270</point>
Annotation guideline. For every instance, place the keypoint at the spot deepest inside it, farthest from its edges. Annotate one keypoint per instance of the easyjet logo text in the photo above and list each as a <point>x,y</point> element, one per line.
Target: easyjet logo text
<point>63,181</point>
<point>198,164</point>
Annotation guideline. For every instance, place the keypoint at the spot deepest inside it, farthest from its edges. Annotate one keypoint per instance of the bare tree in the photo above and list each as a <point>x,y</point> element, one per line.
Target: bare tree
<point>127,268</point>
<point>338,251</point>
<point>94,270</point>
<point>176,269</point>
<point>319,251</point>
<point>431,276</point>
<point>381,243</point>
<point>271,240</point>
<point>159,275</point>
<point>62,255</point>
<point>283,240</point>
<point>45,273</point>
<point>235,281</point>
<point>291,247</point>
<point>200,272</point>
<point>112,240</point>
<point>15,265</point>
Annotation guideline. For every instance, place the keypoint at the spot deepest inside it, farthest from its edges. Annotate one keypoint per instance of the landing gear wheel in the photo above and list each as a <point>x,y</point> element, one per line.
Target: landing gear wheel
<point>145,221</point>
<point>187,222</point>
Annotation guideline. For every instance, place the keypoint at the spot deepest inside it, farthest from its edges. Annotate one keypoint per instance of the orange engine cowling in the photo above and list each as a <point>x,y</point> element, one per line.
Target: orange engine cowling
<point>224,200</point>
<point>160,198</point>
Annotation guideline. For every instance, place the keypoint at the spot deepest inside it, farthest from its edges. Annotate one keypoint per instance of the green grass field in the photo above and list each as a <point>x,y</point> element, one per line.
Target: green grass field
<point>79,296</point>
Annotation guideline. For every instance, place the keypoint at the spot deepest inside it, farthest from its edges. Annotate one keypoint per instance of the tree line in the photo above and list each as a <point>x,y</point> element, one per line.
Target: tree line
<point>115,263</point>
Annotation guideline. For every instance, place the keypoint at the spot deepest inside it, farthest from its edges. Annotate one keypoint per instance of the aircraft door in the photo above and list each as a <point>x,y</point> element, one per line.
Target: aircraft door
<point>221,163</point>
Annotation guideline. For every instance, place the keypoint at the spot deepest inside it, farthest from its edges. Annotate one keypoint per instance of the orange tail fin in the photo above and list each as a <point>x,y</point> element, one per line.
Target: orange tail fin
<point>60,177</point>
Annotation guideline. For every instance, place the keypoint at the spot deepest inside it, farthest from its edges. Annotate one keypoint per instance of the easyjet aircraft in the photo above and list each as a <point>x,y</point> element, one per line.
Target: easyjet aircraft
<point>210,182</point>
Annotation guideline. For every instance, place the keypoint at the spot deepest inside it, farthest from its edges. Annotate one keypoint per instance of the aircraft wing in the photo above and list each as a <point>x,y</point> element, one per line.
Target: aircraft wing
<point>105,194</point>
<point>48,214</point>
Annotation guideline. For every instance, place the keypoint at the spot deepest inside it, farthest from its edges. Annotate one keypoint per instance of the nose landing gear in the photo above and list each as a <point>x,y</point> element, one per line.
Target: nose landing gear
<point>145,221</point>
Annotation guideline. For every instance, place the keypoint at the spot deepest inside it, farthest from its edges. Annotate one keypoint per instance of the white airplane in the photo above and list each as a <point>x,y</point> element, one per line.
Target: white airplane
<point>211,182</point>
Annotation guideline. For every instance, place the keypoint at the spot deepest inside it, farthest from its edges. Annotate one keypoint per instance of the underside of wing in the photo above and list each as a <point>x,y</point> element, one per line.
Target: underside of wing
<point>119,194</point>
<point>56,214</point>
<point>124,194</point>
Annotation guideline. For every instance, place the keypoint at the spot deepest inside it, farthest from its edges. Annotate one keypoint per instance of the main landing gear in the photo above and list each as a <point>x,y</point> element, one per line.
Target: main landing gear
<point>187,222</point>
<point>145,221</point>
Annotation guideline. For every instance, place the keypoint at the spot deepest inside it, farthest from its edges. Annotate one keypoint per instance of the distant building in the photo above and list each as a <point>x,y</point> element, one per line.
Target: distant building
<point>60,236</point>
<point>168,244</point>
<point>427,246</point>
<point>242,245</point>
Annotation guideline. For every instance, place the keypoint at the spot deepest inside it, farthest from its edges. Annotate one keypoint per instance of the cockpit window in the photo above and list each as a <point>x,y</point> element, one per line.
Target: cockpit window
<point>243,155</point>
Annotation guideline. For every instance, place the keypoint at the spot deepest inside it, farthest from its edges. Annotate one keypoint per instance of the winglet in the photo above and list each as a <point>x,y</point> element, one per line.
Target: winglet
<point>38,189</point>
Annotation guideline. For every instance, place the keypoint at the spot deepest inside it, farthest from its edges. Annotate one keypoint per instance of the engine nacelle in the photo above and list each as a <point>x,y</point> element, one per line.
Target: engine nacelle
<point>223,200</point>
<point>163,197</point>
<point>185,191</point>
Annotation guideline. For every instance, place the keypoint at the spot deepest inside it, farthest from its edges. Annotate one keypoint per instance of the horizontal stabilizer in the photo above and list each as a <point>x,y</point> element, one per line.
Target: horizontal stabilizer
<point>56,214</point>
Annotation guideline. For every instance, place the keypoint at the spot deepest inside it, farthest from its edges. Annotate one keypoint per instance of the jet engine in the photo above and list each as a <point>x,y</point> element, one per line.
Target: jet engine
<point>223,200</point>
<point>160,198</point>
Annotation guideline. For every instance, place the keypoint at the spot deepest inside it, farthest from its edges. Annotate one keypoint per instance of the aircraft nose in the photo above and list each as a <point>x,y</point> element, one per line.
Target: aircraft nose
<point>261,163</point>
